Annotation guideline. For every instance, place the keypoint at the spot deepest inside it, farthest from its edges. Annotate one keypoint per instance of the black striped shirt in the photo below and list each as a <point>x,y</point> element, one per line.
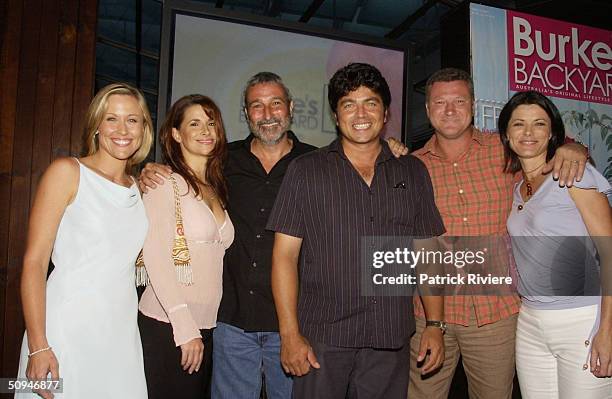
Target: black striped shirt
<point>324,201</point>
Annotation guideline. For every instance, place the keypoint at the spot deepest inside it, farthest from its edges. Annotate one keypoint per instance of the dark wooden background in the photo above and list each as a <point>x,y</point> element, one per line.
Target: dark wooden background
<point>47,56</point>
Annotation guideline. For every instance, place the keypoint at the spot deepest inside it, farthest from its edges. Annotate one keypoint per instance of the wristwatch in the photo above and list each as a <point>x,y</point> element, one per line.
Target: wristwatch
<point>436,323</point>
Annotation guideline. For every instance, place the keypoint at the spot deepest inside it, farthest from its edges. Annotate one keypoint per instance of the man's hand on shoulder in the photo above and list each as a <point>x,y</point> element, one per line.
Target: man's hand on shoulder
<point>152,175</point>
<point>397,147</point>
<point>568,164</point>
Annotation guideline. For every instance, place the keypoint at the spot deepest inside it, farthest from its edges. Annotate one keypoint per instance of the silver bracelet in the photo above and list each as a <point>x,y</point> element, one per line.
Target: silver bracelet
<point>48,348</point>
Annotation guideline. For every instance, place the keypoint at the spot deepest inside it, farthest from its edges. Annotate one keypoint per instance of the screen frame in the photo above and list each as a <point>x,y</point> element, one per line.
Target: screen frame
<point>172,8</point>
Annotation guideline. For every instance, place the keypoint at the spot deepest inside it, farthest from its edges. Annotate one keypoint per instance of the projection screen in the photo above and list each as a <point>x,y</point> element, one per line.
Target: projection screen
<point>214,53</point>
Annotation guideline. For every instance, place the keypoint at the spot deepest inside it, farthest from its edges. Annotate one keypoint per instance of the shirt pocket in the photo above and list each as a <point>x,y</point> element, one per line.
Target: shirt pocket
<point>400,211</point>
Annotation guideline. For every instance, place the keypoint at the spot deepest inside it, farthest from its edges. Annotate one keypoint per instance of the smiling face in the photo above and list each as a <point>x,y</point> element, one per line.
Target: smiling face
<point>450,109</point>
<point>268,112</point>
<point>529,131</point>
<point>197,134</point>
<point>121,131</point>
<point>361,116</point>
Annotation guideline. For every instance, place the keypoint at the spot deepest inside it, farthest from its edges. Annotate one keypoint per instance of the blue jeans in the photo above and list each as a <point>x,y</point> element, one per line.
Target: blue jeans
<point>239,358</point>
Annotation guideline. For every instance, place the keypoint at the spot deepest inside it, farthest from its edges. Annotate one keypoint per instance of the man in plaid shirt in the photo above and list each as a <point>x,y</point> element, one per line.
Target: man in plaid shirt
<point>474,197</point>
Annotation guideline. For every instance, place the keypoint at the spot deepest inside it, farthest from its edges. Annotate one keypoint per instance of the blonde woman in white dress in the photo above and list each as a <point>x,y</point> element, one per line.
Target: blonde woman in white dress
<point>89,219</point>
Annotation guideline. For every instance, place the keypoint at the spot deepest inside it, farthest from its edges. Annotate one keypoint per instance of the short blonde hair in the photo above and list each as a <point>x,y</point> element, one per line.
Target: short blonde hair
<point>95,114</point>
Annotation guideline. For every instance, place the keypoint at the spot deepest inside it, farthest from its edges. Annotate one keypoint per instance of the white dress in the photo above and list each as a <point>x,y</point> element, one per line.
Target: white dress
<point>91,297</point>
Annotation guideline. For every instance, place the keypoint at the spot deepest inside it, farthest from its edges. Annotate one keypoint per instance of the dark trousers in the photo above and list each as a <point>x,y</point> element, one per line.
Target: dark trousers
<point>162,361</point>
<point>355,373</point>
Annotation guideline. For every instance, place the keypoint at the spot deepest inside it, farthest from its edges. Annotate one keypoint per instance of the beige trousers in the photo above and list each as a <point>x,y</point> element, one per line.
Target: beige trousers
<point>488,360</point>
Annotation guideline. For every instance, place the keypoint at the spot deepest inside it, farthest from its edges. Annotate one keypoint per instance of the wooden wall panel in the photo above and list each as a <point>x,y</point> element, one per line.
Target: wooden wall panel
<point>21,172</point>
<point>10,28</point>
<point>84,71</point>
<point>45,91</point>
<point>46,80</point>
<point>66,54</point>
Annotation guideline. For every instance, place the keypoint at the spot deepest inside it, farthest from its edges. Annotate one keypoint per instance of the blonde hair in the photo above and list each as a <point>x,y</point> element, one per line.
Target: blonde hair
<point>95,114</point>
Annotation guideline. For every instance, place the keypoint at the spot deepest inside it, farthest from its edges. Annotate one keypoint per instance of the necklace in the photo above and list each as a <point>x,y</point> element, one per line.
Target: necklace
<point>529,182</point>
<point>529,188</point>
<point>534,169</point>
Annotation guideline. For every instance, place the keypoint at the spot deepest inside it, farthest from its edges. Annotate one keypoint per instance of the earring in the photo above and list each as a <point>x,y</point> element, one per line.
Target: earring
<point>96,133</point>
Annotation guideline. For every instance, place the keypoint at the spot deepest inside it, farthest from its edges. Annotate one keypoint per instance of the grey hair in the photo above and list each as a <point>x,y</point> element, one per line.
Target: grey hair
<point>264,77</point>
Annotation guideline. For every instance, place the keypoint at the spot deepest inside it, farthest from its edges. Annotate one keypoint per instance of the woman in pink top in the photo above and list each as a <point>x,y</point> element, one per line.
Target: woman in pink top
<point>178,309</point>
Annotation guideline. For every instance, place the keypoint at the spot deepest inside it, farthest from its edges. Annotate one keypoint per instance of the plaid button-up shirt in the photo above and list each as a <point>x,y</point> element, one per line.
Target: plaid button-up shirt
<point>474,197</point>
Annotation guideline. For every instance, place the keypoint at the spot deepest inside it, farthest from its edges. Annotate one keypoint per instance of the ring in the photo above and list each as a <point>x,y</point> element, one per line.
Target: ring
<point>574,161</point>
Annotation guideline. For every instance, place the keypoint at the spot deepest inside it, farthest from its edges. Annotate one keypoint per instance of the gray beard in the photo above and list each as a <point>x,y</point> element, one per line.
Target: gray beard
<point>266,140</point>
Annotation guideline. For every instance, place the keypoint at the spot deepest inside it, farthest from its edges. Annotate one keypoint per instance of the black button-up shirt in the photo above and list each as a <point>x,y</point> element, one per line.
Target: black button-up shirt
<point>324,200</point>
<point>247,300</point>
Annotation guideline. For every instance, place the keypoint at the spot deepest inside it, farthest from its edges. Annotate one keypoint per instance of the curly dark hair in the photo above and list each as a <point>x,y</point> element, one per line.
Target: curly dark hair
<point>557,128</point>
<point>353,76</point>
<point>173,156</point>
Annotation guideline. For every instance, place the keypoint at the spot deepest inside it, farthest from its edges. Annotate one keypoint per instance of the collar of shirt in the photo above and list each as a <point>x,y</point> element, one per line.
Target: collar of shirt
<point>430,146</point>
<point>240,151</point>
<point>384,155</point>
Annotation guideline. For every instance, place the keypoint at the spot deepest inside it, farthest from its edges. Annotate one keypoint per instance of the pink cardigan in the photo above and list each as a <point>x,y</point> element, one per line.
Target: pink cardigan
<point>187,308</point>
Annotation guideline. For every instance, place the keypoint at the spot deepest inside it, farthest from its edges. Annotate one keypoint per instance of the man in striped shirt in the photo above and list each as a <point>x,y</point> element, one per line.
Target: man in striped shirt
<point>330,200</point>
<point>247,343</point>
<point>474,197</point>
